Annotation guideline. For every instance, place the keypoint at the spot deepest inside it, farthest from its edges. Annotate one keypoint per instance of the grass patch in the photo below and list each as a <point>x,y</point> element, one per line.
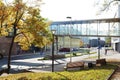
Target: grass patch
<point>92,57</point>
<point>72,54</point>
<point>78,54</point>
<point>96,73</point>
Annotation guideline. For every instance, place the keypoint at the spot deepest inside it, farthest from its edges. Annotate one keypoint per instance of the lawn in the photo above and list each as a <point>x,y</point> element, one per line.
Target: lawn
<point>78,54</point>
<point>96,73</point>
<point>71,54</point>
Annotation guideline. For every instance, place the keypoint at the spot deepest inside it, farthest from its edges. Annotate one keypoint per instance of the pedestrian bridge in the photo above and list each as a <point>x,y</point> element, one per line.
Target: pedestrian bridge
<point>88,28</point>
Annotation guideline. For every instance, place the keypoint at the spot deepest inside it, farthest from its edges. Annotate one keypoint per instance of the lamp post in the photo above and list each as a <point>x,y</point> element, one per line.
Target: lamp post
<point>68,17</point>
<point>99,48</point>
<point>53,33</point>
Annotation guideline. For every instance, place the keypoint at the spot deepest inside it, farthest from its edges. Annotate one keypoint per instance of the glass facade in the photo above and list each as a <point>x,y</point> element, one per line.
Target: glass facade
<point>92,28</point>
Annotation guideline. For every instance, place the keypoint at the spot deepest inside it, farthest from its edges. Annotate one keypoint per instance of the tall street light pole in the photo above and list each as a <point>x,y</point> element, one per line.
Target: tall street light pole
<point>70,38</point>
<point>53,34</point>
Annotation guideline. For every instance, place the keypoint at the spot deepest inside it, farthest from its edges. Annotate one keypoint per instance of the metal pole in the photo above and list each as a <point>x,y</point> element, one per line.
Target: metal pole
<point>98,48</point>
<point>53,54</point>
<point>98,53</point>
<point>70,37</point>
<point>70,47</point>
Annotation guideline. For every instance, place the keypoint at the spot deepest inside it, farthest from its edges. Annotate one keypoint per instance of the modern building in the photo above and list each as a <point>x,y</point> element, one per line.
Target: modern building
<point>115,41</point>
<point>94,43</point>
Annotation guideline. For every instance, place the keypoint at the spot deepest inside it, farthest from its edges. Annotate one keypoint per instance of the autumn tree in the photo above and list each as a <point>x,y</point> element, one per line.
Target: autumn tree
<point>25,24</point>
<point>108,41</point>
<point>105,5</point>
<point>81,43</point>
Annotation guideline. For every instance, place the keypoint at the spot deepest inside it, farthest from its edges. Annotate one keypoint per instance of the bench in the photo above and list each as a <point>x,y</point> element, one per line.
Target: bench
<point>101,61</point>
<point>74,65</point>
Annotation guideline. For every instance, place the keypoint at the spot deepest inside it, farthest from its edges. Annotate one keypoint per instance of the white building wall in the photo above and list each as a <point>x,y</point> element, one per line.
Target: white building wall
<point>115,40</point>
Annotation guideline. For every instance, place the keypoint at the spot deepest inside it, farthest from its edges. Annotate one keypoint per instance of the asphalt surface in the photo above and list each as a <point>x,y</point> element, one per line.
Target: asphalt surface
<point>30,61</point>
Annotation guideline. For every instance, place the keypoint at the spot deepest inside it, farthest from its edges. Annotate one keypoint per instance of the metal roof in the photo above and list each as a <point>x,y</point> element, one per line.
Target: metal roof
<point>87,21</point>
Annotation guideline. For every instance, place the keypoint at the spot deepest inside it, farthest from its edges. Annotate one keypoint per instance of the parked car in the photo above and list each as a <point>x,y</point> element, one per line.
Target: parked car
<point>75,49</point>
<point>64,50</point>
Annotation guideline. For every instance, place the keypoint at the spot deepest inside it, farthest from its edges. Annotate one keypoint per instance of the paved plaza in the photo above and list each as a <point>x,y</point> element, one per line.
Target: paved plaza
<point>30,62</point>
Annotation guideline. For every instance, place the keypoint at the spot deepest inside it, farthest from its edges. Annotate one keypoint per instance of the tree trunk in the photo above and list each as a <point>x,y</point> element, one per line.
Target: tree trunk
<point>9,55</point>
<point>10,49</point>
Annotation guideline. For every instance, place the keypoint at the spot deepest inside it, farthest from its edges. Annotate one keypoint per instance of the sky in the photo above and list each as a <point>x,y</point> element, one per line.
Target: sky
<point>58,10</point>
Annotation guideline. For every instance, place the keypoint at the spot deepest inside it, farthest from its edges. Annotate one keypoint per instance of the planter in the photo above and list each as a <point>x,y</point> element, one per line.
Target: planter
<point>56,56</point>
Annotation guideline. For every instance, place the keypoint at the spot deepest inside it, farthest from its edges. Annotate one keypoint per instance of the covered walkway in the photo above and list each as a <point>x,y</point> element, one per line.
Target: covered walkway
<point>88,28</point>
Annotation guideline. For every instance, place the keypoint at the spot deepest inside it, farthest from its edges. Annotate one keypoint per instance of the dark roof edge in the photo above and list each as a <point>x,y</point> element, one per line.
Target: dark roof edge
<point>107,20</point>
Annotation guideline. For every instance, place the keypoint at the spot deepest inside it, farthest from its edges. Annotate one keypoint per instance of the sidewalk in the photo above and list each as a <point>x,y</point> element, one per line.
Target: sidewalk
<point>111,55</point>
<point>60,63</point>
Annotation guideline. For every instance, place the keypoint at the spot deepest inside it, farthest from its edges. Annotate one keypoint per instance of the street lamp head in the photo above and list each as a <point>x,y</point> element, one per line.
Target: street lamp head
<point>68,17</point>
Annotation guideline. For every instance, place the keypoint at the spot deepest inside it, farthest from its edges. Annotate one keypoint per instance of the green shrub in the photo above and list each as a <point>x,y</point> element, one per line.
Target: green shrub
<point>74,54</point>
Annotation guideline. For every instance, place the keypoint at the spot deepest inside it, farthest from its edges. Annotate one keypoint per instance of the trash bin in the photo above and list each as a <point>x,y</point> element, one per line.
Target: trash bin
<point>90,65</point>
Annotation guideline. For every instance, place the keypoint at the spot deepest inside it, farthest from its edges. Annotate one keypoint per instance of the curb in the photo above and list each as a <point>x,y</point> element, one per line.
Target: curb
<point>109,78</point>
